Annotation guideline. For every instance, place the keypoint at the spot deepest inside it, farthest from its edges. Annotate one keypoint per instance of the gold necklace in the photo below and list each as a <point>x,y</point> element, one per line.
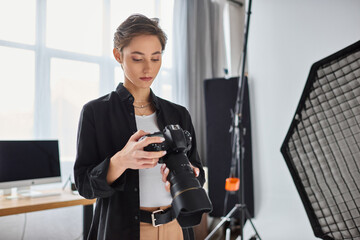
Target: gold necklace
<point>142,109</point>
<point>142,106</point>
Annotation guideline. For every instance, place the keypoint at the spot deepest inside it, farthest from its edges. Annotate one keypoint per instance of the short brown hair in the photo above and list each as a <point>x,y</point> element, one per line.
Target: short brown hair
<point>136,25</point>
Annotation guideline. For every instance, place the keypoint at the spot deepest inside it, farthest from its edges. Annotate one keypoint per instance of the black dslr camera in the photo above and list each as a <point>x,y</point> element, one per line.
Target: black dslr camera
<point>190,200</point>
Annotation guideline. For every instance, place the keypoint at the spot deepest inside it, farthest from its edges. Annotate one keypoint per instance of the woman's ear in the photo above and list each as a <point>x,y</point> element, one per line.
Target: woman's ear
<point>117,55</point>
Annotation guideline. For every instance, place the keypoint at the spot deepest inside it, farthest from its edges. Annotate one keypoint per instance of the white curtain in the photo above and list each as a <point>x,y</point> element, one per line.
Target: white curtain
<point>199,54</point>
<point>234,22</point>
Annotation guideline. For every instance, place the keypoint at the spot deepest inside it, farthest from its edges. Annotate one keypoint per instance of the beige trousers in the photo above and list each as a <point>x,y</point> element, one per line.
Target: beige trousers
<point>168,231</point>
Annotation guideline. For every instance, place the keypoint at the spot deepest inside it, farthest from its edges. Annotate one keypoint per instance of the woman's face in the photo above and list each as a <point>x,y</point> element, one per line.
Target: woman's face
<point>141,60</point>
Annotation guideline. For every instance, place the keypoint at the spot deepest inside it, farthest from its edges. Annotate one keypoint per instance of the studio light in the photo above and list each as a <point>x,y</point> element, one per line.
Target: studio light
<point>322,146</point>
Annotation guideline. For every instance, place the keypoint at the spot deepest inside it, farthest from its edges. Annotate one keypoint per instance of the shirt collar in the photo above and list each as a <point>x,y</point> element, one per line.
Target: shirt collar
<point>124,94</point>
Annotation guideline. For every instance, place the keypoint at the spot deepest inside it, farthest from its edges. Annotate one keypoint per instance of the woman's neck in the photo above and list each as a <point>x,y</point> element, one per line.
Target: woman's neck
<point>141,95</point>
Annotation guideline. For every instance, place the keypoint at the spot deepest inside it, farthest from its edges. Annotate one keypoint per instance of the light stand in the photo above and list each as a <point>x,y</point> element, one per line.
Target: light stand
<point>238,149</point>
<point>237,207</point>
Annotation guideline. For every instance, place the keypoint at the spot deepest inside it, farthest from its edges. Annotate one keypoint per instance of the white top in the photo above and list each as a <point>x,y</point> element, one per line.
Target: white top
<point>152,188</point>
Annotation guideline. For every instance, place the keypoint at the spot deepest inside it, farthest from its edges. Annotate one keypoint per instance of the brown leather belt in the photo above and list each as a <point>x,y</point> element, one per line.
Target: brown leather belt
<point>157,217</point>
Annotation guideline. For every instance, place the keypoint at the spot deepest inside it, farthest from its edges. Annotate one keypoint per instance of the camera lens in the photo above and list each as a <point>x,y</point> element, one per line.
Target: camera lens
<point>190,200</point>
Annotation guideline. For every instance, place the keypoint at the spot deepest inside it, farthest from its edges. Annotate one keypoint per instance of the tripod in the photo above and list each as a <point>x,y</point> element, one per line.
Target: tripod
<point>238,150</point>
<point>237,207</point>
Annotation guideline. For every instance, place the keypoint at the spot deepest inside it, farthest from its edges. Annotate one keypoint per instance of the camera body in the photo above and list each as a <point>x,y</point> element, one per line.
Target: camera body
<point>176,141</point>
<point>190,200</point>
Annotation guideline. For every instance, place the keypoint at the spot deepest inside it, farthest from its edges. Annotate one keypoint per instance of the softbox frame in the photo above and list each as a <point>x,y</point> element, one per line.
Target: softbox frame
<point>322,146</point>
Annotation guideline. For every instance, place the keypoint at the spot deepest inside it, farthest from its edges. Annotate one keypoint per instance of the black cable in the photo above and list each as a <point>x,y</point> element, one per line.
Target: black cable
<point>23,232</point>
<point>24,228</point>
<point>225,202</point>
<point>79,237</point>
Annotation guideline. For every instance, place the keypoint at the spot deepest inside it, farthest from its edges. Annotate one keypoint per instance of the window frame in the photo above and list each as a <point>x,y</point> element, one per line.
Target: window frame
<point>44,54</point>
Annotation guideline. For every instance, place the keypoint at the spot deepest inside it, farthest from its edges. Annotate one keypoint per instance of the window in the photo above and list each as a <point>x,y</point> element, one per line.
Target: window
<point>72,84</point>
<point>17,93</point>
<point>80,31</point>
<point>58,56</point>
<point>22,19</point>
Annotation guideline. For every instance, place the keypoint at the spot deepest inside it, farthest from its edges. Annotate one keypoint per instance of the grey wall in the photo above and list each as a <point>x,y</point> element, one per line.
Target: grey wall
<point>286,38</point>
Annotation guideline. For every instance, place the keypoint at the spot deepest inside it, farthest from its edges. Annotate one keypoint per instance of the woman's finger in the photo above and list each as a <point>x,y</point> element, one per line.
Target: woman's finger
<point>162,168</point>
<point>145,154</point>
<point>136,136</point>
<point>148,161</point>
<point>195,170</point>
<point>165,174</point>
<point>144,166</point>
<point>149,140</point>
<point>167,186</point>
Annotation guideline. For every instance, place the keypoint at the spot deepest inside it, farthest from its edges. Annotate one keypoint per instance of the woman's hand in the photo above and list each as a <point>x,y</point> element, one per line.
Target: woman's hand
<point>133,156</point>
<point>165,172</point>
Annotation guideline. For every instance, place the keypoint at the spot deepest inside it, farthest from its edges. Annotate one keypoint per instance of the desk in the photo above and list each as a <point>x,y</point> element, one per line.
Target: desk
<point>65,199</point>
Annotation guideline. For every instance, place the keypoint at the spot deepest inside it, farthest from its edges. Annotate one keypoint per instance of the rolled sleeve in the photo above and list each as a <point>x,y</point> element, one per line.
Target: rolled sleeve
<point>90,171</point>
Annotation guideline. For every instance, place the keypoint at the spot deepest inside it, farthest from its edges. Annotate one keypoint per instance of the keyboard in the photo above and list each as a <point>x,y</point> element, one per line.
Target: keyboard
<point>40,194</point>
<point>33,194</point>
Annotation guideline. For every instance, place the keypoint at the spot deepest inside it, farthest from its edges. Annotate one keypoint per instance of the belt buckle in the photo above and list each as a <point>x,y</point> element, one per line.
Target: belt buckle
<point>153,219</point>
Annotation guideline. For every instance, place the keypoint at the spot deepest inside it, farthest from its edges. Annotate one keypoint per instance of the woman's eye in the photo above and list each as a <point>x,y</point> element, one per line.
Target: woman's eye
<point>155,60</point>
<point>136,60</point>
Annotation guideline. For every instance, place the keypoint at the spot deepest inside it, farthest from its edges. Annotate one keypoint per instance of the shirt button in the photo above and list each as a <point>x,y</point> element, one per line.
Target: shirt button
<point>131,99</point>
<point>131,114</point>
<point>135,189</point>
<point>136,217</point>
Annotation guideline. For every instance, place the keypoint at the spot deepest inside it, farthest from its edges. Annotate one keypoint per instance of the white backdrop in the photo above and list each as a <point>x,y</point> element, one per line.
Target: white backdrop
<point>286,38</point>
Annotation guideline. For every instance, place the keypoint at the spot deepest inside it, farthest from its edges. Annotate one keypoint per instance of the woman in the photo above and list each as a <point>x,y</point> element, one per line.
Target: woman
<point>111,164</point>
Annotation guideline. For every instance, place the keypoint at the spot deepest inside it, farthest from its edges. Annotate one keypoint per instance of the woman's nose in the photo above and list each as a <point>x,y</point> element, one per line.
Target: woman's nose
<point>147,67</point>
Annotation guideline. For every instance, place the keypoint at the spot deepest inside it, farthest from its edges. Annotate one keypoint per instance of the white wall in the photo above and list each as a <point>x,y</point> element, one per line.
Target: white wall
<point>286,38</point>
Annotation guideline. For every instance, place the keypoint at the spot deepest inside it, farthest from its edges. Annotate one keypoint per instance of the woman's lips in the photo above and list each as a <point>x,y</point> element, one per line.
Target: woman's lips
<point>146,78</point>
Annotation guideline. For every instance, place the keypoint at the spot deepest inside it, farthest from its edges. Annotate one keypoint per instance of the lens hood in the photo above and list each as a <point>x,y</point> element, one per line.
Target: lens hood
<point>189,206</point>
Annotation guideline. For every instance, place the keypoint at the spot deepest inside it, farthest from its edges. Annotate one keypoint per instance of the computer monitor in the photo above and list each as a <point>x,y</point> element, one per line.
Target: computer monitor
<point>27,163</point>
